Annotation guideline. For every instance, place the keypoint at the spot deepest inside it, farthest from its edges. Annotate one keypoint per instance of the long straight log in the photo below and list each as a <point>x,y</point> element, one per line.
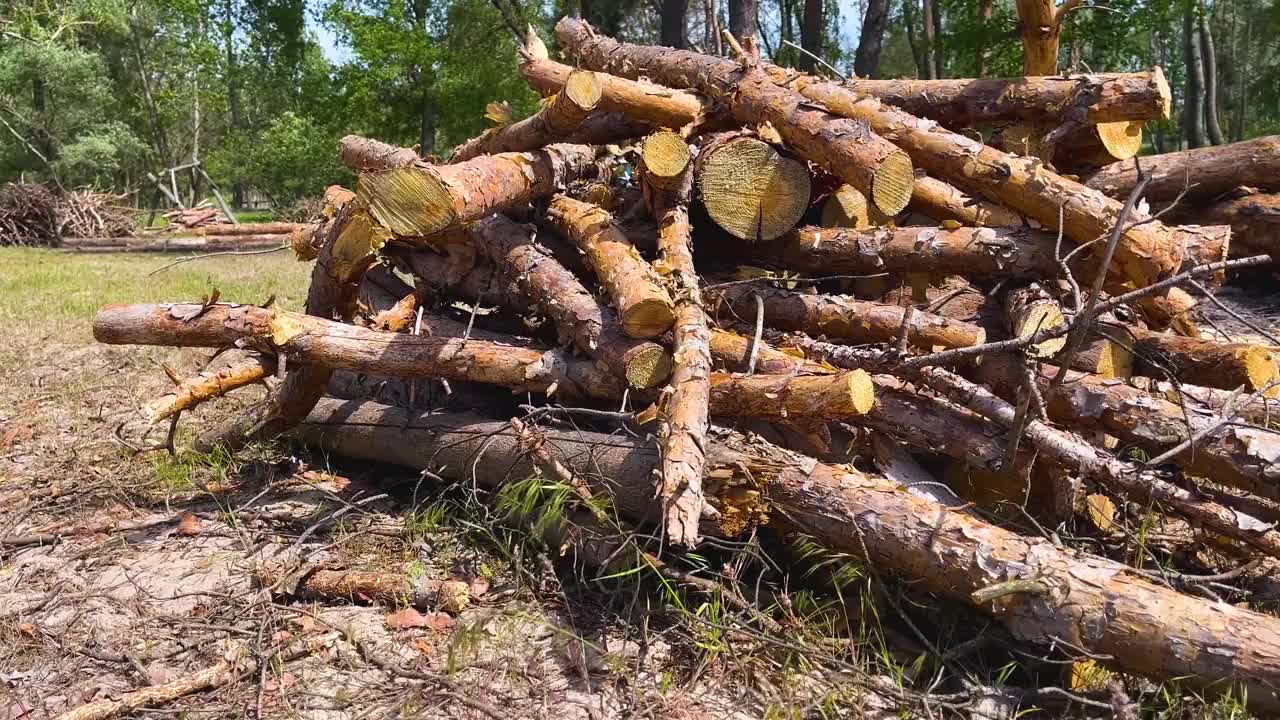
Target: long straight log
<point>224,229</point>
<point>413,198</point>
<point>1210,363</point>
<point>1254,218</point>
<point>555,120</point>
<point>643,304</point>
<point>1242,457</point>
<point>183,243</point>
<point>941,201</point>
<point>844,317</point>
<point>1202,172</point>
<point>1090,602</point>
<point>850,150</point>
<point>1036,100</point>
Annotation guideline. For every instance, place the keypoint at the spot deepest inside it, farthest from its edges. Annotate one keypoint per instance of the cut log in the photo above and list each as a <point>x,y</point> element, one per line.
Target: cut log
<point>749,188</point>
<point>609,128</point>
<point>264,228</point>
<point>848,149</point>
<point>1045,101</point>
<point>555,120</point>
<point>387,302</point>
<point>731,352</point>
<point>844,317</point>
<point>176,243</point>
<point>1169,310</point>
<point>800,398</point>
<point>848,208</point>
<point>413,198</point>
<point>557,293</point>
<point>1090,147</point>
<point>1202,172</point>
<point>643,305</point>
<point>1030,309</point>
<point>320,344</point>
<point>684,407</point>
<point>1241,457</point>
<point>941,201</point>
<point>932,547</point>
<point>191,392</point>
<point>363,154</point>
<point>1254,218</point>
<point>664,107</point>
<point>1264,411</point>
<point>1209,363</point>
<point>393,589</point>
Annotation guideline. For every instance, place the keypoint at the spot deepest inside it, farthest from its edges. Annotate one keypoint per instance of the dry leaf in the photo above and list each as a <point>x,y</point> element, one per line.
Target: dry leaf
<point>1102,511</point>
<point>410,618</point>
<point>498,113</point>
<point>189,525</point>
<point>478,586</point>
<point>27,629</point>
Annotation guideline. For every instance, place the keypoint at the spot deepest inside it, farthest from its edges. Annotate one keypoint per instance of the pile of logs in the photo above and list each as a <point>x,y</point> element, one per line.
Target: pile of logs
<point>834,311</point>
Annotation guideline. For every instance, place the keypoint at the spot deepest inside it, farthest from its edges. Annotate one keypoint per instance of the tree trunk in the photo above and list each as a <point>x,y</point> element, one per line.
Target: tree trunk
<point>939,56</point>
<point>413,198</point>
<point>940,201</point>
<point>866,62</point>
<point>1242,102</point>
<point>930,32</point>
<point>900,532</point>
<point>811,31</point>
<point>644,306</point>
<point>1039,22</point>
<point>1254,218</point>
<point>671,31</point>
<point>751,190</point>
<point>557,294</point>
<point>743,18</point>
<point>233,88</point>
<point>1193,101</point>
<point>844,317</point>
<point>847,149</point>
<point>426,113</point>
<point>558,117</point>
<point>1212,171</point>
<point>985,9</point>
<point>799,398</point>
<point>639,99</point>
<point>1209,363</point>
<point>1210,81</point>
<point>909,9</point>
<point>711,27</point>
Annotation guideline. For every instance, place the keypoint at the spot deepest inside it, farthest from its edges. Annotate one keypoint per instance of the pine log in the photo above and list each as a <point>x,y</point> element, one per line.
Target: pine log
<point>1254,218</point>
<point>1088,462</point>
<point>662,106</point>
<point>193,391</point>
<point>1264,411</point>
<point>318,343</point>
<point>1202,172</point>
<point>413,198</point>
<point>844,317</point>
<point>848,149</point>
<point>1090,147</point>
<point>941,201</point>
<point>393,589</point>
<point>609,128</point>
<point>1093,603</point>
<point>264,228</point>
<point>559,295</point>
<point>1036,100</point>
<point>1241,457</point>
<point>802,398</point>
<point>1029,310</point>
<point>683,408</point>
<point>643,305</point>
<point>1210,363</point>
<point>848,208</point>
<point>731,352</point>
<point>749,188</point>
<point>183,243</point>
<point>555,120</point>
<point>386,302</point>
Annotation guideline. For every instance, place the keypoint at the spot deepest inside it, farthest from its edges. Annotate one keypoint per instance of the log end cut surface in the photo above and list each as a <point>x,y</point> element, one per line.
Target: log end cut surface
<point>647,318</point>
<point>1122,140</point>
<point>408,201</point>
<point>584,88</point>
<point>848,207</point>
<point>753,191</point>
<point>648,365</point>
<point>891,187</point>
<point>666,155</point>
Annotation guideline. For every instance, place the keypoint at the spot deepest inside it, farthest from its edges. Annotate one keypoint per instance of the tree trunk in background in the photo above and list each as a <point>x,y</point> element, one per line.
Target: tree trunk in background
<point>985,9</point>
<point>1039,24</point>
<point>917,51</point>
<point>427,129</point>
<point>672,21</point>
<point>1210,82</point>
<point>811,34</point>
<point>1193,100</point>
<point>711,27</point>
<point>1158,55</point>
<point>743,18</point>
<point>604,15</point>
<point>866,62</point>
<point>929,30</point>
<point>233,87</point>
<point>1242,103</point>
<point>939,58</point>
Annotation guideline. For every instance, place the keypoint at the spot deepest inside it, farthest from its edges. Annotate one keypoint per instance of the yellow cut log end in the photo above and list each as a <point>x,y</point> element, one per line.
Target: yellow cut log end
<point>848,207</point>
<point>584,88</point>
<point>892,184</point>
<point>1041,316</point>
<point>666,155</point>
<point>753,191</point>
<point>1122,140</point>
<point>648,366</point>
<point>647,318</point>
<point>408,201</point>
<point>1259,366</point>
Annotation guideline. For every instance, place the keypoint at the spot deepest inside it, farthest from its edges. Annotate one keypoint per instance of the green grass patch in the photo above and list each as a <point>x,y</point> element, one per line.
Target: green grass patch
<point>52,286</point>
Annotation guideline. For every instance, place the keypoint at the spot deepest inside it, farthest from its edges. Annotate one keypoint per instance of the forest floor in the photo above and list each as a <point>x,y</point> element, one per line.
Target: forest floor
<point>121,569</point>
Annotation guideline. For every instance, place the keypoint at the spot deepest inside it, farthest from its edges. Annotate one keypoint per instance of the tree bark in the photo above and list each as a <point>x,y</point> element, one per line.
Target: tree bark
<point>191,392</point>
<point>749,189</point>
<point>1211,171</point>
<point>941,201</point>
<point>558,117</point>
<point>939,57</point>
<point>1039,23</point>
<point>844,317</point>
<point>811,34</point>
<point>866,62</point>
<point>1091,602</point>
<point>1209,363</point>
<point>1193,101</point>
<point>798,398</point>
<point>744,18</point>
<point>731,352</point>
<point>643,305</point>
<point>1254,218</point>
<point>417,199</point>
<point>671,23</point>
<point>1210,82</point>
<point>847,149</point>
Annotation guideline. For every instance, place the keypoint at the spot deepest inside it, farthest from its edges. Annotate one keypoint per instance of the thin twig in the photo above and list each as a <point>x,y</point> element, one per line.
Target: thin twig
<point>1228,310</point>
<point>843,77</point>
<point>216,254</point>
<point>900,343</point>
<point>1229,411</point>
<point>755,341</point>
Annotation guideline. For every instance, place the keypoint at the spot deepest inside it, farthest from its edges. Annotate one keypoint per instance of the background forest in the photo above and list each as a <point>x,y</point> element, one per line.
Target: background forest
<point>101,92</point>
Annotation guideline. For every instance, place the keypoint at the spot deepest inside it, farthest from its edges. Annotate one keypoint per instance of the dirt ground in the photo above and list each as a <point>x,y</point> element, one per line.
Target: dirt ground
<point>124,566</point>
